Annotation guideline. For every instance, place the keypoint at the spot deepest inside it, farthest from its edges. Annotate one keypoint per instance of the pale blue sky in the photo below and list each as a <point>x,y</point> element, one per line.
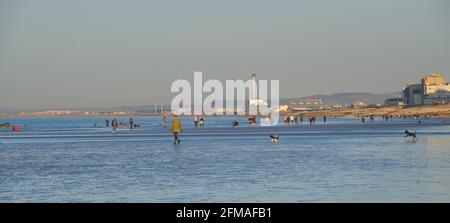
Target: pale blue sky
<point>91,53</point>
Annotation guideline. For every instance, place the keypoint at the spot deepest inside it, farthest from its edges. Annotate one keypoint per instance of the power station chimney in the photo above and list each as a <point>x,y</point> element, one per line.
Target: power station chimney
<point>254,87</point>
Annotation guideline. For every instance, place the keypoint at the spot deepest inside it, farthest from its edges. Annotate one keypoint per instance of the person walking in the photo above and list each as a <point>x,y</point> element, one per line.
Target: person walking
<point>106,123</point>
<point>202,122</point>
<point>15,128</point>
<point>131,123</point>
<point>195,121</point>
<point>164,121</point>
<point>114,125</point>
<point>324,119</point>
<point>176,126</point>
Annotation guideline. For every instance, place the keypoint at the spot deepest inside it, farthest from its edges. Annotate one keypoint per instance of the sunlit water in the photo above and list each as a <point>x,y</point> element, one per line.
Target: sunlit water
<point>68,160</point>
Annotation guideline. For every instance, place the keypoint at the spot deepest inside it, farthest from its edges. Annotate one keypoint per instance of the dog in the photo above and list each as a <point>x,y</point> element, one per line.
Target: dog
<point>274,138</point>
<point>411,134</point>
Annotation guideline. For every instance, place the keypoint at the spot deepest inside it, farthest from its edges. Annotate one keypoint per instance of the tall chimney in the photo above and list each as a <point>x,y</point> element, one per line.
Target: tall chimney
<point>254,87</point>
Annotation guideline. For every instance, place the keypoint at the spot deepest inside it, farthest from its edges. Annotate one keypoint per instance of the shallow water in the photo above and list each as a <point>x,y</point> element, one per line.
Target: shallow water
<point>68,160</point>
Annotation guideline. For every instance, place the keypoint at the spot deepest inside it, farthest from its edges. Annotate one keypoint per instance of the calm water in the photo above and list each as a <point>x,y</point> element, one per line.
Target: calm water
<point>68,160</point>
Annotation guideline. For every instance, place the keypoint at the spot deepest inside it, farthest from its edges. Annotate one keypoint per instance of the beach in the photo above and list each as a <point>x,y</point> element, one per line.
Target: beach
<point>407,111</point>
<point>65,159</point>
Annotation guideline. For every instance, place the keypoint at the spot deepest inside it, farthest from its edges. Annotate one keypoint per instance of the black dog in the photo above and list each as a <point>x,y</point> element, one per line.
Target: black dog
<point>411,134</point>
<point>274,138</point>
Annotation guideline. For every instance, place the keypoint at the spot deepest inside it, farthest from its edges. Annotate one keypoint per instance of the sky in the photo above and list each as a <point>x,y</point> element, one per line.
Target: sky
<point>93,53</point>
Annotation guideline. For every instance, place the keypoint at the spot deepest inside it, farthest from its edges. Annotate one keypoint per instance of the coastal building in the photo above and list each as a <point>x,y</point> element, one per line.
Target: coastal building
<point>432,90</point>
<point>306,104</point>
<point>337,106</point>
<point>394,101</point>
<point>374,106</point>
<point>282,108</point>
<point>435,90</point>
<point>412,94</point>
<point>358,104</point>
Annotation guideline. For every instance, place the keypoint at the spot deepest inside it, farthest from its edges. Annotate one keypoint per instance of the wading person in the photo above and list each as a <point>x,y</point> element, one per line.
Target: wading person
<point>202,122</point>
<point>164,121</point>
<point>195,121</point>
<point>131,123</point>
<point>114,126</point>
<point>176,127</point>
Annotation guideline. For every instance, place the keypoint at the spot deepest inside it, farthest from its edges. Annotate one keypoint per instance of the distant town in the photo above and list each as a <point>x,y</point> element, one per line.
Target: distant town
<point>432,91</point>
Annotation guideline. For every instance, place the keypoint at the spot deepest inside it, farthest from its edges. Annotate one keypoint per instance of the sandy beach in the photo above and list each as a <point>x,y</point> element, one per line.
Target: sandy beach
<point>442,111</point>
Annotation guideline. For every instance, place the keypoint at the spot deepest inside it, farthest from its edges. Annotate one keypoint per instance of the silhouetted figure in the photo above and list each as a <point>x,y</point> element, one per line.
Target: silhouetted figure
<point>164,121</point>
<point>202,122</point>
<point>195,121</point>
<point>114,125</point>
<point>176,126</point>
<point>131,123</point>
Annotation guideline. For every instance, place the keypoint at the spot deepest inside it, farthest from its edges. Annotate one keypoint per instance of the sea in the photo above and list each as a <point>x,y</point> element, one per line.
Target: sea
<point>78,159</point>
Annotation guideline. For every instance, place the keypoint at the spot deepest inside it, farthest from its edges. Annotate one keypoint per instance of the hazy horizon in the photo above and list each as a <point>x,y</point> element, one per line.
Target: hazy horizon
<point>101,54</point>
<point>168,103</point>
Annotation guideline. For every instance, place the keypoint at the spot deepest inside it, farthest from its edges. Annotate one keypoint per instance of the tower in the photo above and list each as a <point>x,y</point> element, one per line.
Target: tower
<point>254,88</point>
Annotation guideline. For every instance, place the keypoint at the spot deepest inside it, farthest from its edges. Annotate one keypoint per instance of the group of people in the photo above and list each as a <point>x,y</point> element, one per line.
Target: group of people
<point>176,125</point>
<point>388,117</point>
<point>371,118</point>
<point>298,120</point>
<point>115,124</point>
<point>5,125</point>
<point>197,121</point>
<point>14,128</point>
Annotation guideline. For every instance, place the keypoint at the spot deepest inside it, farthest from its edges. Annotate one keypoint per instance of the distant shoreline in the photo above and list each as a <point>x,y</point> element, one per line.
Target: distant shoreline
<point>442,111</point>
